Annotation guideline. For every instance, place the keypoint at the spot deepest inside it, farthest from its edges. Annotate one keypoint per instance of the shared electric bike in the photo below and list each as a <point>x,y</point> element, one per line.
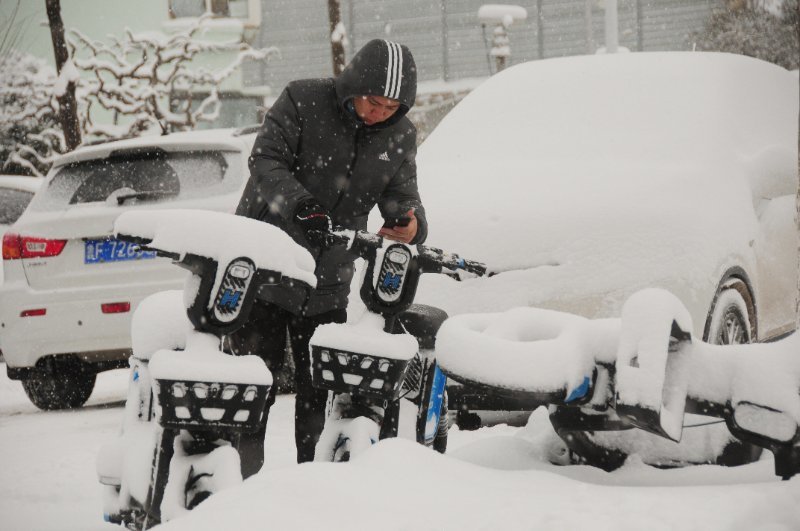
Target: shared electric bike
<point>644,372</point>
<point>190,404</point>
<point>386,353</point>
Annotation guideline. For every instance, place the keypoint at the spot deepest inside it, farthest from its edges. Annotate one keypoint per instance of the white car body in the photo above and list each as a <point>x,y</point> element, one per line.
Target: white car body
<point>16,193</point>
<point>585,179</point>
<point>63,294</point>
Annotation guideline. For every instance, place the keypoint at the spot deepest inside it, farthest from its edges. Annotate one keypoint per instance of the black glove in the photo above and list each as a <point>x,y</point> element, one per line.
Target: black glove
<point>310,216</point>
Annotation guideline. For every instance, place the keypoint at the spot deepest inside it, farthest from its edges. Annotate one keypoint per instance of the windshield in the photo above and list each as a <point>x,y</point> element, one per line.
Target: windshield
<point>12,204</point>
<point>137,177</point>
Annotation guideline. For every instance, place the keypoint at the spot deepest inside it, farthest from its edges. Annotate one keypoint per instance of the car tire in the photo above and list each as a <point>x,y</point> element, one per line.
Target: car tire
<point>731,321</point>
<point>67,385</point>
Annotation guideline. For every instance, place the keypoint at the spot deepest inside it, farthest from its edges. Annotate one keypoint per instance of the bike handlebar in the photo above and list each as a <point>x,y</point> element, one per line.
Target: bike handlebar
<point>432,260</point>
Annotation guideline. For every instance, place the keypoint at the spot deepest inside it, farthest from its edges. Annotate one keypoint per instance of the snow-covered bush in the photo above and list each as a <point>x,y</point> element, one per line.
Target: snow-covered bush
<point>29,129</point>
<point>766,30</point>
<point>142,76</point>
<point>146,82</point>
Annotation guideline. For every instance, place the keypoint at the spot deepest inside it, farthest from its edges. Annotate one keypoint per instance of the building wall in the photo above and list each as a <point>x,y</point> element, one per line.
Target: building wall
<point>448,40</point>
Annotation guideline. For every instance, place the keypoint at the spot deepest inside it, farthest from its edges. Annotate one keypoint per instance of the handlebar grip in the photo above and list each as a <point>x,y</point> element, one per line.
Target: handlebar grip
<point>474,267</point>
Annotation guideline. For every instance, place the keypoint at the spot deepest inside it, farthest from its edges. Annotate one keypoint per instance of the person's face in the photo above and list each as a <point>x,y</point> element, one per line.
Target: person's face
<point>375,109</point>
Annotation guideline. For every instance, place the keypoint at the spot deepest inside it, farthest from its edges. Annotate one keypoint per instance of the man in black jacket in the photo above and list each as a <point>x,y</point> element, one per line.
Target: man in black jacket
<point>328,151</point>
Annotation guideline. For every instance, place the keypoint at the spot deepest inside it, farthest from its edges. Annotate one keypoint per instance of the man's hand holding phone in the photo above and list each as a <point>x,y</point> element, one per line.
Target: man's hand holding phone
<point>401,229</point>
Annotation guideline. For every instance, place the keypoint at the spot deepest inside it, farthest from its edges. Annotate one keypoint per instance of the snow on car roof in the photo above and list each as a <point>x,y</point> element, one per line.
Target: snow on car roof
<point>28,184</point>
<point>593,175</point>
<point>216,139</point>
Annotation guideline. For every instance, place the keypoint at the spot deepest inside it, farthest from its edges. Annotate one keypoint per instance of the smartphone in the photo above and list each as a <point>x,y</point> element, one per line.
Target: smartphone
<point>401,221</point>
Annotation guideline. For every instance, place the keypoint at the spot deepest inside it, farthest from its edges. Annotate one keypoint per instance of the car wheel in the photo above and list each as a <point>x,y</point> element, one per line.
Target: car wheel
<point>731,321</point>
<point>65,384</point>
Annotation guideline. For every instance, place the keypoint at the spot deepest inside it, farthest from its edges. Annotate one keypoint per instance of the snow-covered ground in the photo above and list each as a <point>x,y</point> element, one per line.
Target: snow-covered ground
<point>493,478</point>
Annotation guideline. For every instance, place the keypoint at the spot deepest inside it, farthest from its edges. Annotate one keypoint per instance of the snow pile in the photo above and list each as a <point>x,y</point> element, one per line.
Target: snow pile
<point>453,492</point>
<point>496,477</point>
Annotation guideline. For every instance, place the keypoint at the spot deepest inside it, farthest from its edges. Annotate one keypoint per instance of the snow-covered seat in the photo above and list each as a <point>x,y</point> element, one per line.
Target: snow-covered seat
<point>528,350</point>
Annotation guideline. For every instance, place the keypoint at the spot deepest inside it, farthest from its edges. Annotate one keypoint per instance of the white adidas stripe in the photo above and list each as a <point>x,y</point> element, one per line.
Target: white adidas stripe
<point>394,71</point>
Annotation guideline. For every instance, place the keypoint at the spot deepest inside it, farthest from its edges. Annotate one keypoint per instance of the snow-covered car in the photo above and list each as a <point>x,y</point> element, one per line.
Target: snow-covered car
<point>582,180</point>
<point>16,193</point>
<point>71,288</point>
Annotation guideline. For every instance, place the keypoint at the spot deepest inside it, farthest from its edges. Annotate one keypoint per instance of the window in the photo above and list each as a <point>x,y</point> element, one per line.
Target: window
<point>137,177</point>
<point>12,204</point>
<point>246,10</point>
<point>235,110</point>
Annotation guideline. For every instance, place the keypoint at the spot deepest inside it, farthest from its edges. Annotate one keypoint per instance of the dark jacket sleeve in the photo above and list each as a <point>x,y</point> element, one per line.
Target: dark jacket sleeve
<point>402,194</point>
<point>272,185</point>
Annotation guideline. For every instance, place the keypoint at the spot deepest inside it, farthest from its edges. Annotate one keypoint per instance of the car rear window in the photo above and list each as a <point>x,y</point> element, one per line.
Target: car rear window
<point>136,177</point>
<point>12,204</point>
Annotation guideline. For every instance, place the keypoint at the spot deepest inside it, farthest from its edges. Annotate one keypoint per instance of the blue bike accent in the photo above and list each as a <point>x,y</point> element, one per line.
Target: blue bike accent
<point>392,281</point>
<point>435,404</point>
<point>580,391</point>
<point>230,299</point>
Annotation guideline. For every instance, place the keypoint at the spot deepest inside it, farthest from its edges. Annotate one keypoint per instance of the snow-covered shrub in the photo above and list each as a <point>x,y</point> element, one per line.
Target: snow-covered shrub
<point>29,129</point>
<point>137,79</point>
<point>766,30</point>
<point>141,75</point>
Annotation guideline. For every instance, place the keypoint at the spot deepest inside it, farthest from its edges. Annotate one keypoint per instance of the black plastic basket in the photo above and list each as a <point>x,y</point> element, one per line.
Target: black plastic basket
<point>359,374</point>
<point>195,405</point>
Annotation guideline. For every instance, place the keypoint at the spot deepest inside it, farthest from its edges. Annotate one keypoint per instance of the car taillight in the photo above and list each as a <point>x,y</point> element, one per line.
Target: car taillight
<point>16,246</point>
<point>33,313</point>
<point>115,307</point>
<point>12,248</point>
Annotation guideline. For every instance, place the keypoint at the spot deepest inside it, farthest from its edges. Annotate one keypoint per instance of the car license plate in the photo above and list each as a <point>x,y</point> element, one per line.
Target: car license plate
<point>111,250</point>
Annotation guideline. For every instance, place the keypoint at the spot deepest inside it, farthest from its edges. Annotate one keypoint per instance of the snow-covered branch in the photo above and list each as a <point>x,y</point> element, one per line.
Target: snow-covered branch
<point>148,80</point>
<point>139,75</point>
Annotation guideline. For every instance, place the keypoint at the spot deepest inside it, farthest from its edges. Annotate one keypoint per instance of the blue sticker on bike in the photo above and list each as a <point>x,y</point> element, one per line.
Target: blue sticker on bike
<point>435,404</point>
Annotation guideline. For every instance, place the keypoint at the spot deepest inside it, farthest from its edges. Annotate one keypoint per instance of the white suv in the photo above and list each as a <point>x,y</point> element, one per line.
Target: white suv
<point>70,288</point>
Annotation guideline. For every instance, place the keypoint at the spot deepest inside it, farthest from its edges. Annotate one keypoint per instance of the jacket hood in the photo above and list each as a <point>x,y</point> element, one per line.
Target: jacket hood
<point>380,68</point>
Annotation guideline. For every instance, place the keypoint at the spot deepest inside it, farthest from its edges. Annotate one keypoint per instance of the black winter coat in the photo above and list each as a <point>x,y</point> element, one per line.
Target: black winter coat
<point>312,145</point>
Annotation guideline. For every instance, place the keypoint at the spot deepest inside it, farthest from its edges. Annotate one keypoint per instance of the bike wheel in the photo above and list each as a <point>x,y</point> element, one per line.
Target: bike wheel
<point>344,439</point>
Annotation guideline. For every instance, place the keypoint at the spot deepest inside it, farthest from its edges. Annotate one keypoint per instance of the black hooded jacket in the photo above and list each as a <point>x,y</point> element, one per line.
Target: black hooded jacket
<point>313,146</point>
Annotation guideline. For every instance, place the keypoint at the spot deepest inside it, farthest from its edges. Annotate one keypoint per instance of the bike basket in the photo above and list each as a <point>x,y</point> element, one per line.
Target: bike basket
<point>194,405</point>
<point>357,374</point>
